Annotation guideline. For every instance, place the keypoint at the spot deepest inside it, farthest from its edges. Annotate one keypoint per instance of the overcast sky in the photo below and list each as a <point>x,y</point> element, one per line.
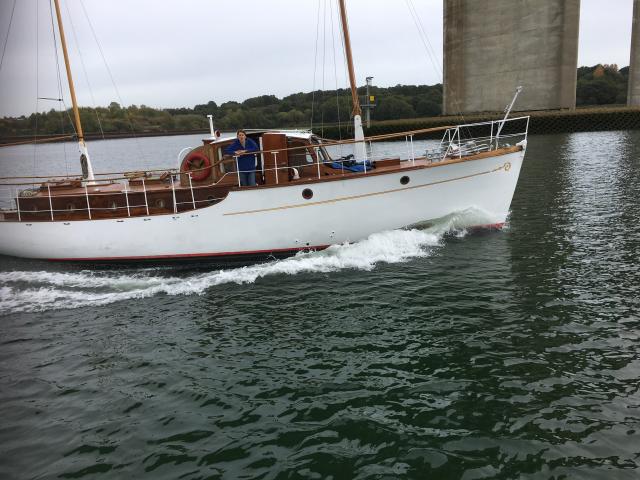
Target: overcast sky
<point>171,54</point>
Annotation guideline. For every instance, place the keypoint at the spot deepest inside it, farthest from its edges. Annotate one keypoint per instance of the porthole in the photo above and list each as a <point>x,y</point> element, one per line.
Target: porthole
<point>404,180</point>
<point>307,193</point>
<point>160,203</point>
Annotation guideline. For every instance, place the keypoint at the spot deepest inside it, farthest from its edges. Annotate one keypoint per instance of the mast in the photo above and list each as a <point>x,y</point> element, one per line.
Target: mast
<point>360,150</point>
<point>347,50</point>
<point>85,162</point>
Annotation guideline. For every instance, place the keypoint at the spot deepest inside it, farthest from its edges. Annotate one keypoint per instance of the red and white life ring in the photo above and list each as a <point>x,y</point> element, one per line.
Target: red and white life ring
<point>199,164</point>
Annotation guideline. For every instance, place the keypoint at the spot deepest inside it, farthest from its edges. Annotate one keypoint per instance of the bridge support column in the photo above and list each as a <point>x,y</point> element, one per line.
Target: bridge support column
<point>492,46</point>
<point>633,93</point>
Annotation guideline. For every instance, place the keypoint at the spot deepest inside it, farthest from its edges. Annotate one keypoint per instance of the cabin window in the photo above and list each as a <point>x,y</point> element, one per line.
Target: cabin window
<point>228,165</point>
<point>160,203</point>
<point>324,155</point>
<point>301,158</point>
<point>310,158</point>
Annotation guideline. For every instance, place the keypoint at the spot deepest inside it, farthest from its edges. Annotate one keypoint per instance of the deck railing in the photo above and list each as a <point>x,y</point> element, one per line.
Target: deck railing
<point>18,196</point>
<point>458,141</point>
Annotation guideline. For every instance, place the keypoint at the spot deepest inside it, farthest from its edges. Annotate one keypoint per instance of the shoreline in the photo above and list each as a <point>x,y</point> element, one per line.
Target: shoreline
<point>9,141</point>
<point>586,119</point>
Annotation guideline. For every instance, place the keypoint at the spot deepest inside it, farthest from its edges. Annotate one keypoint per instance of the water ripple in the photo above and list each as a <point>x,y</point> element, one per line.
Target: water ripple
<point>414,354</point>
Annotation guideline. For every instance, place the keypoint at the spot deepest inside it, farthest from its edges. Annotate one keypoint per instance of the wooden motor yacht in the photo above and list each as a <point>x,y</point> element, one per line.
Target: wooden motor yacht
<point>305,197</point>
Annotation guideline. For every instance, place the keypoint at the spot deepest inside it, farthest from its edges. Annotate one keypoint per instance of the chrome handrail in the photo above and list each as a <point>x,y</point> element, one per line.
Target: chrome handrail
<point>453,142</point>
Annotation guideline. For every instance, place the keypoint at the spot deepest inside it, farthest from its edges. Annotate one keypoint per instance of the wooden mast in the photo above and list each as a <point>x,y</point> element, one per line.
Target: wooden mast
<point>347,48</point>
<point>63,41</point>
<point>359,147</point>
<point>84,154</point>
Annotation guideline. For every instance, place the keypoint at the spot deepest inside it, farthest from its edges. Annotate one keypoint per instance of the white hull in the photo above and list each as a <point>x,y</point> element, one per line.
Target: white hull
<point>279,219</point>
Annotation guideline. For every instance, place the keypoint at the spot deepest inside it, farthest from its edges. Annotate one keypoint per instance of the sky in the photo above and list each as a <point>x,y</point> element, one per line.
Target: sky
<point>179,54</point>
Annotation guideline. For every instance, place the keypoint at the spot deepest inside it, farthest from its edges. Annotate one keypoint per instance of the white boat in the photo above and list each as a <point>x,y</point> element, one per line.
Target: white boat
<point>304,200</point>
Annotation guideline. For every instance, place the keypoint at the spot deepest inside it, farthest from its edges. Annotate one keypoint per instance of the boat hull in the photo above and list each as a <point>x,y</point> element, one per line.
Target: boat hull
<point>279,220</point>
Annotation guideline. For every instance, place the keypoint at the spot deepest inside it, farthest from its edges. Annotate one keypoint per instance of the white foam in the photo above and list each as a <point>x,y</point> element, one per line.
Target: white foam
<point>84,279</point>
<point>26,291</point>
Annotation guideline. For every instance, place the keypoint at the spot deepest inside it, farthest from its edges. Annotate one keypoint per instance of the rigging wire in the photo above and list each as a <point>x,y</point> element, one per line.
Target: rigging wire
<point>113,82</point>
<point>424,38</point>
<point>62,106</point>
<point>84,69</point>
<point>324,56</point>
<point>335,70</point>
<point>315,66</point>
<point>422,33</point>
<point>35,134</point>
<point>346,69</point>
<point>327,16</point>
<point>6,38</point>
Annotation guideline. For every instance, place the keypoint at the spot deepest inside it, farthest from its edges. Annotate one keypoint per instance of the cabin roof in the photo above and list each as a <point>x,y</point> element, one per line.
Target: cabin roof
<point>302,134</point>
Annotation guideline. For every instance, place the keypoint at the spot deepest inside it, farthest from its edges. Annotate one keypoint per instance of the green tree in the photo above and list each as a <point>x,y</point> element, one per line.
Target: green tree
<point>393,107</point>
<point>261,101</point>
<point>601,85</point>
<point>426,106</point>
<point>209,108</point>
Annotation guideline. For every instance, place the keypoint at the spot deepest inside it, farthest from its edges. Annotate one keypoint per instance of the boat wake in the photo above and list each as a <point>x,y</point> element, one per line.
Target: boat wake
<point>37,291</point>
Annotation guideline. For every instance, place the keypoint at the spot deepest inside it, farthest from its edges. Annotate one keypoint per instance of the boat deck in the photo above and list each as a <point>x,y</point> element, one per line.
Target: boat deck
<point>174,193</point>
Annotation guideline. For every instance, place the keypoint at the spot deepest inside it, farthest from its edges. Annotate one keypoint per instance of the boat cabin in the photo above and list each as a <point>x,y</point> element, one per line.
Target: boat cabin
<point>283,157</point>
<point>205,176</point>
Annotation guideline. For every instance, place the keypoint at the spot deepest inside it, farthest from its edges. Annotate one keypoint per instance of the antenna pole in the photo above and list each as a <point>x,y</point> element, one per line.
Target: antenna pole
<point>507,111</point>
<point>85,163</point>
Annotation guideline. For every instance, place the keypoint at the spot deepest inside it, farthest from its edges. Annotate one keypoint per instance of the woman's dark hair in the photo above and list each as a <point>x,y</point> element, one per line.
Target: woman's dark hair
<point>240,131</point>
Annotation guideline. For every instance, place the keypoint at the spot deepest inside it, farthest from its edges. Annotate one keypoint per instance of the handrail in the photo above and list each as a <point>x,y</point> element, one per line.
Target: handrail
<point>95,183</point>
<point>36,141</point>
<point>184,150</point>
<point>386,136</point>
<point>127,207</point>
<point>329,143</point>
<point>146,202</point>
<point>454,132</point>
<point>489,122</point>
<point>86,193</point>
<point>325,143</point>
<point>79,177</point>
<point>192,202</point>
<point>455,129</point>
<point>452,138</point>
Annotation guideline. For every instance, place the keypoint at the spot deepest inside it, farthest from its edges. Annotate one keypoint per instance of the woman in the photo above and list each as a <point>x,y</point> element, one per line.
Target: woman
<point>242,147</point>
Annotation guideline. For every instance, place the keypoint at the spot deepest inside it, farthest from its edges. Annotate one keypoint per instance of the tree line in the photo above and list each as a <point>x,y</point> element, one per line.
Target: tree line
<point>602,85</point>
<point>597,85</point>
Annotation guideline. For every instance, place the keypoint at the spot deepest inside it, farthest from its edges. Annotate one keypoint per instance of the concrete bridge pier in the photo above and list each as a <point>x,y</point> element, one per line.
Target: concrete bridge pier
<point>633,93</point>
<point>492,46</point>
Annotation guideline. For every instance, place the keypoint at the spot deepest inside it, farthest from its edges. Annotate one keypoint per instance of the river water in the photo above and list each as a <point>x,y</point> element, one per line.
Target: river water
<point>434,353</point>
